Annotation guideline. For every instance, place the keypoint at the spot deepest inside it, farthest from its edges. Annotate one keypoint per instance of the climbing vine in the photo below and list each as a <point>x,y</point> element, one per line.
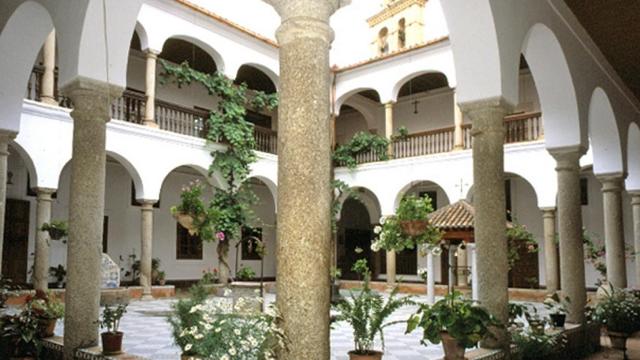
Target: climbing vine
<point>360,143</point>
<point>230,207</point>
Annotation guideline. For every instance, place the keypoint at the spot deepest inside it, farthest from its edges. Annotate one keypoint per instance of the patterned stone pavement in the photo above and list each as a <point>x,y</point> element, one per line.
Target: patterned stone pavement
<point>148,334</point>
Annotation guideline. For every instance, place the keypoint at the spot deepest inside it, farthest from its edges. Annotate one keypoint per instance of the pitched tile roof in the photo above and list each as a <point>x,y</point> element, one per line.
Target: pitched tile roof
<point>456,216</point>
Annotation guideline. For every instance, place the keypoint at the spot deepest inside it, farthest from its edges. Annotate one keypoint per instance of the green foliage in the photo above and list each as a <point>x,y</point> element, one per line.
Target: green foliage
<point>230,206</point>
<point>111,316</point>
<point>210,276</point>
<point>58,272</point>
<point>391,235</point>
<point>361,142</point>
<point>245,273</point>
<point>45,305</point>
<point>533,345</point>
<point>403,134</point>
<point>518,237</point>
<point>595,254</point>
<point>182,318</point>
<point>367,312</point>
<point>463,319</point>
<point>335,273</point>
<point>22,330</point>
<point>557,305</point>
<point>7,288</point>
<point>619,311</point>
<point>56,229</point>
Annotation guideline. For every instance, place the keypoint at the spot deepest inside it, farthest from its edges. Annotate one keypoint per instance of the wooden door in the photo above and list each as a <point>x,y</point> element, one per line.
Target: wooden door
<point>15,250</point>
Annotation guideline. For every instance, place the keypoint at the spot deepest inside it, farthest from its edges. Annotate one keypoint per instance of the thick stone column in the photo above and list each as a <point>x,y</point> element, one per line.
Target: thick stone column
<point>391,268</point>
<point>388,125</point>
<point>47,87</point>
<point>458,137</point>
<point>43,215</point>
<point>304,180</point>
<point>92,101</point>
<point>462,266</point>
<point>431,279</point>
<point>635,207</point>
<point>150,89</point>
<point>550,250</point>
<point>570,231</point>
<point>490,216</point>
<point>5,138</point>
<point>612,187</point>
<point>146,252</point>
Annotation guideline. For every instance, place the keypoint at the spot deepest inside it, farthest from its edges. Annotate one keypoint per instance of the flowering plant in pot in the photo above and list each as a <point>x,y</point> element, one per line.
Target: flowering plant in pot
<point>56,229</point>
<point>191,213</point>
<point>112,338</point>
<point>558,309</point>
<point>619,312</point>
<point>459,323</point>
<point>21,331</point>
<point>367,313</point>
<point>47,309</point>
<point>407,229</point>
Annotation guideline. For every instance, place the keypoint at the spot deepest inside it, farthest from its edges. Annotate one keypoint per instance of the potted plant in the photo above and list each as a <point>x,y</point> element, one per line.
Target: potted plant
<point>59,273</point>
<point>47,309</point>
<point>161,278</point>
<point>459,323</point>
<point>21,331</point>
<point>191,212</point>
<point>533,346</point>
<point>334,275</point>
<point>619,313</point>
<point>56,229</point>
<point>245,274</point>
<point>367,313</point>
<point>558,309</point>
<point>6,290</point>
<point>112,338</point>
<point>536,321</point>
<point>155,268</point>
<point>412,214</point>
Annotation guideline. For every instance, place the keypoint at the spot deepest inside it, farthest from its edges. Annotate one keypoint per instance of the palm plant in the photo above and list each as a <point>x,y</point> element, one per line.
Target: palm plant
<point>367,312</point>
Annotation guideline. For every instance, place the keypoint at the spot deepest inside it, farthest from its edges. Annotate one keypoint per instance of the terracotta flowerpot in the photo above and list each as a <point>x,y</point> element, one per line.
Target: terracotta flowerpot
<point>186,221</point>
<point>558,320</point>
<point>414,227</point>
<point>162,282</point>
<point>374,355</point>
<point>452,348</point>
<point>111,343</point>
<point>46,327</point>
<point>618,340</point>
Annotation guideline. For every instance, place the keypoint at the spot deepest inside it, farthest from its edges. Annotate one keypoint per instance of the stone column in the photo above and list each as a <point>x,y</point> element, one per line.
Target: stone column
<point>43,215</point>
<point>5,138</point>
<point>550,250</point>
<point>304,180</point>
<point>570,231</point>
<point>388,125</point>
<point>635,207</point>
<point>451,265</point>
<point>458,137</point>
<point>490,216</point>
<point>612,187</point>
<point>431,279</point>
<point>391,268</point>
<point>462,266</point>
<point>150,89</point>
<point>47,87</point>
<point>92,100</point>
<point>474,272</point>
<point>146,252</point>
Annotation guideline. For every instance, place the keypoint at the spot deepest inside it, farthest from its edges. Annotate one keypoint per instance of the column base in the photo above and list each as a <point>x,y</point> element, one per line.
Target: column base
<point>49,101</point>
<point>147,297</point>
<point>150,123</point>
<point>458,148</point>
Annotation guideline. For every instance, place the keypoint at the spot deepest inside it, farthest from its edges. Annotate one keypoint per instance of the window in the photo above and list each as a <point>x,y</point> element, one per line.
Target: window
<point>584,191</point>
<point>402,36</point>
<point>249,245</point>
<point>383,44</point>
<point>188,247</point>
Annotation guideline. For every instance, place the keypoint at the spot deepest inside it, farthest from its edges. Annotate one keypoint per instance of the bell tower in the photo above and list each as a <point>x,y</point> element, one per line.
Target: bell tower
<point>398,25</point>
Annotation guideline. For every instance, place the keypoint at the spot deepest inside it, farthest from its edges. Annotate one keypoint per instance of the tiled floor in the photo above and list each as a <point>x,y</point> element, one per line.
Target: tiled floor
<point>148,334</point>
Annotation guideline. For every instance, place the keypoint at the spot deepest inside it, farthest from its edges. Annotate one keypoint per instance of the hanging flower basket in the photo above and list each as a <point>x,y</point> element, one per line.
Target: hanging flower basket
<point>56,234</point>
<point>187,222</point>
<point>414,227</point>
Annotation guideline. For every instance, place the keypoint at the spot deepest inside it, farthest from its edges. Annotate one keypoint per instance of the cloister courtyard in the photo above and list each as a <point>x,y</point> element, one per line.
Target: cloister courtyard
<point>319,179</point>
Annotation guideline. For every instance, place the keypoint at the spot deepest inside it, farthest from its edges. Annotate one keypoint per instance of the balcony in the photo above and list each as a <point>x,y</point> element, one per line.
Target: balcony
<point>130,107</point>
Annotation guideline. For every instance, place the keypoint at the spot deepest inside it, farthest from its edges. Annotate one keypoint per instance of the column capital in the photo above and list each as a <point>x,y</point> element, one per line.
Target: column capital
<point>91,98</point>
<point>147,204</point>
<point>495,104</point>
<point>389,104</point>
<point>611,182</point>
<point>635,197</point>
<point>567,158</point>
<point>44,193</point>
<point>151,53</point>
<point>548,212</point>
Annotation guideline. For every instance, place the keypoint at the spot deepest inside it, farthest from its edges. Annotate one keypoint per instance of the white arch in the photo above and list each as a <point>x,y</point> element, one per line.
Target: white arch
<point>26,159</point>
<point>370,201</point>
<point>403,191</point>
<point>215,55</point>
<point>271,73</point>
<point>132,171</point>
<point>398,85</point>
<point>273,189</point>
<point>144,38</point>
<point>363,108</point>
<point>555,86</point>
<point>633,158</point>
<point>604,135</point>
<point>24,26</point>
<point>341,98</point>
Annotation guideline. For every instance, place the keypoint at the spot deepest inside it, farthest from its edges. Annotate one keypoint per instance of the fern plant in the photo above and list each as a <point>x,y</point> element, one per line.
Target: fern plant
<point>367,312</point>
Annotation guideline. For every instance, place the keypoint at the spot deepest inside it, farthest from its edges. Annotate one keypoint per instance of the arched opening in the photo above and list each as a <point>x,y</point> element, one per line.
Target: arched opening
<point>402,35</point>
<point>358,112</point>
<point>408,261</point>
<point>383,41</point>
<point>358,215</point>
<point>425,103</point>
<point>348,123</point>
<point>257,80</point>
<point>604,135</point>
